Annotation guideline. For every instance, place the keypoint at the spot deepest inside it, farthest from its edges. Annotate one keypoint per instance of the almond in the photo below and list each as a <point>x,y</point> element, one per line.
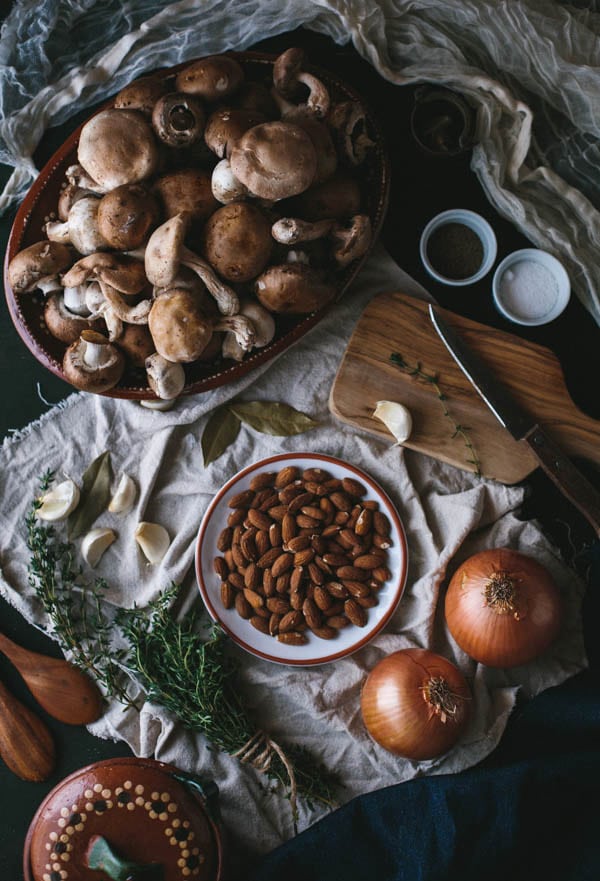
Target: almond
<point>325,632</point>
<point>255,599</point>
<point>236,579</point>
<point>298,543</point>
<point>269,584</point>
<point>262,480</point>
<point>363,522</point>
<point>274,535</point>
<point>355,613</point>
<point>268,501</point>
<point>381,524</point>
<point>242,606</point>
<point>311,613</point>
<point>221,568</point>
<point>367,561</point>
<point>224,539</point>
<point>274,624</point>
<point>316,575</point>
<point>252,576</point>
<point>288,527</point>
<point>241,500</point>
<point>227,594</point>
<point>367,602</point>
<point>318,475</point>
<point>317,489</point>
<point>291,637</point>
<point>283,562</point>
<point>302,558</point>
<point>296,577</point>
<point>287,475</point>
<point>297,597</point>
<point>382,541</point>
<point>290,492</point>
<point>353,487</point>
<point>236,517</point>
<point>259,519</point>
<point>290,620</point>
<point>322,598</point>
<point>263,543</point>
<point>342,501</point>
<point>278,512</point>
<point>382,573</point>
<point>305,522</point>
<point>338,621</point>
<point>337,590</point>
<point>282,583</point>
<point>336,559</point>
<point>248,544</point>
<point>299,502</point>
<point>351,573</point>
<point>267,560</point>
<point>357,588</point>
<point>278,605</point>
<point>260,623</point>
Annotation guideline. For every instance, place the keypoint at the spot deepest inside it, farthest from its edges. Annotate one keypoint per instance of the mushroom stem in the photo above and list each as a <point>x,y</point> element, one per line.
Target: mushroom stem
<point>49,284</point>
<point>137,314</point>
<point>352,241</point>
<point>165,378</point>
<point>74,300</point>
<point>288,73</point>
<point>95,351</point>
<point>241,327</point>
<point>290,230</point>
<point>226,299</point>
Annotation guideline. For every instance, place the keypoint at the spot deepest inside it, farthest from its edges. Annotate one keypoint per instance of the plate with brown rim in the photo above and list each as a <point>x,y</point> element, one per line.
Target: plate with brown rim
<point>314,650</point>
<point>26,310</point>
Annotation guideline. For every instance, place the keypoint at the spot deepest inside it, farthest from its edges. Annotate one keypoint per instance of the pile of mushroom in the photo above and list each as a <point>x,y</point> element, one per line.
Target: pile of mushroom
<point>202,206</point>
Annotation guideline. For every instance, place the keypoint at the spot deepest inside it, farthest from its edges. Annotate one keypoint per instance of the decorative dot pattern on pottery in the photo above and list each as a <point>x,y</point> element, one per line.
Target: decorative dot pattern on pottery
<point>154,807</point>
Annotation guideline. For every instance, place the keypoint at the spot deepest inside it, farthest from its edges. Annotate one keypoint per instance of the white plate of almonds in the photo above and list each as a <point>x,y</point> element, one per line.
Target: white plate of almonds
<point>301,558</point>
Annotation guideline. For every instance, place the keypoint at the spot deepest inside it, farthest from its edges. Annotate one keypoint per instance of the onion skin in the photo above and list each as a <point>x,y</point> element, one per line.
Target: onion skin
<point>491,633</point>
<point>396,711</point>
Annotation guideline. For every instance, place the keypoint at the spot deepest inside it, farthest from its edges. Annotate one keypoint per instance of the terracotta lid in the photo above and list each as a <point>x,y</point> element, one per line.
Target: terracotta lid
<point>132,812</point>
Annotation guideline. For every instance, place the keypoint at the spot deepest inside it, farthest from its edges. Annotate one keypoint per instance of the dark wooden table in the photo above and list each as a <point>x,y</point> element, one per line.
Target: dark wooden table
<point>421,187</point>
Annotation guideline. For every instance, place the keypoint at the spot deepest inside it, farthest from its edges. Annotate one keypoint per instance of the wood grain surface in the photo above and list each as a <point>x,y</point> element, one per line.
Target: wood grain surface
<point>396,322</point>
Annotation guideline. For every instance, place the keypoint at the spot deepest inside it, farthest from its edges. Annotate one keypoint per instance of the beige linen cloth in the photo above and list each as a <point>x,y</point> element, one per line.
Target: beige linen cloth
<point>447,513</point>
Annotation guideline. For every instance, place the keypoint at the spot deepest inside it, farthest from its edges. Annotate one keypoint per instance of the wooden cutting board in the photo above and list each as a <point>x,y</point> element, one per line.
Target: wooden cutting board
<point>396,322</point>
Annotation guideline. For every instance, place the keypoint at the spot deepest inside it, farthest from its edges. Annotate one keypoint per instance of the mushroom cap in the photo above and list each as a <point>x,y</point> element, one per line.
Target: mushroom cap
<point>118,147</point>
<point>213,78</point>
<point>293,288</point>
<point>275,160</point>
<point>92,379</point>
<point>37,262</point>
<point>178,119</point>
<point>179,326</point>
<point>67,198</point>
<point>136,343</point>
<point>226,126</point>
<point>66,326</point>
<point>286,69</point>
<point>186,189</point>
<point>124,273</point>
<point>255,96</point>
<point>142,94</point>
<point>163,250</point>
<point>81,229</point>
<point>127,215</point>
<point>237,241</point>
<point>335,199</point>
<point>318,132</point>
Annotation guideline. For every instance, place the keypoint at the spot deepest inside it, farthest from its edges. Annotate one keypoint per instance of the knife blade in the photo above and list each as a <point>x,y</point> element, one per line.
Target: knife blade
<point>521,425</point>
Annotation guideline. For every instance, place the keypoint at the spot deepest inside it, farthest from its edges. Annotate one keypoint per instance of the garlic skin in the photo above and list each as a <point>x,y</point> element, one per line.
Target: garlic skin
<point>153,540</point>
<point>396,417</point>
<point>124,495</point>
<point>58,502</point>
<point>95,542</point>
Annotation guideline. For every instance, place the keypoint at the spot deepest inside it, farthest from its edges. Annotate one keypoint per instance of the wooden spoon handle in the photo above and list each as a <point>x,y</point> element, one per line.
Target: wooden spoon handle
<point>61,689</point>
<point>26,744</point>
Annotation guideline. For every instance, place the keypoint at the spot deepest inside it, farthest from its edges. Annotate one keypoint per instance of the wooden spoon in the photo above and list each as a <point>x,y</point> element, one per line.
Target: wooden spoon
<point>26,744</point>
<point>60,688</point>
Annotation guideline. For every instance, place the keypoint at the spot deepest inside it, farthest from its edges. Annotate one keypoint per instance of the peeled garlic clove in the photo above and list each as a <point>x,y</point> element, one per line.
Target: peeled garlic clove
<point>396,417</point>
<point>153,539</point>
<point>94,543</point>
<point>58,502</point>
<point>124,495</point>
<point>164,404</point>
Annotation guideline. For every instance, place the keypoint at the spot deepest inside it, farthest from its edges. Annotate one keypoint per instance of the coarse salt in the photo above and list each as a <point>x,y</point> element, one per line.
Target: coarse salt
<point>528,289</point>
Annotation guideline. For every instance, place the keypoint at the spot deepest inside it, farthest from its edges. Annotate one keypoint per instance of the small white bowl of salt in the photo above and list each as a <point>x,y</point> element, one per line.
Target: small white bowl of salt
<point>531,287</point>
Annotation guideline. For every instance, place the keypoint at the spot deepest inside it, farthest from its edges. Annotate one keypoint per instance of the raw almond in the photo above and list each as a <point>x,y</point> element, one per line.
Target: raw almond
<point>299,502</point>
<point>322,598</point>
<point>283,562</point>
<point>282,583</point>
<point>287,475</point>
<point>306,522</point>
<point>288,527</point>
<point>316,575</point>
<point>242,606</point>
<point>248,544</point>
<point>255,599</point>
<point>290,492</point>
<point>382,573</point>
<point>351,573</point>
<point>341,500</point>
<point>381,524</point>
<point>278,605</point>
<point>236,517</point>
<point>302,558</point>
<point>236,579</point>
<point>367,602</point>
<point>259,519</point>
<point>291,637</point>
<point>269,558</point>
<point>319,475</point>
<point>382,541</point>
<point>353,487</point>
<point>296,577</point>
<point>263,543</point>
<point>278,512</point>
<point>274,624</point>
<point>298,543</point>
<point>262,480</point>
<point>367,561</point>
<point>338,621</point>
<point>224,539</point>
<point>252,576</point>
<point>357,588</point>
<point>290,620</point>
<point>325,632</point>
<point>337,590</point>
<point>221,568</point>
<point>355,613</point>
<point>260,623</point>
<point>311,613</point>
<point>363,522</point>
<point>241,500</point>
<point>227,594</point>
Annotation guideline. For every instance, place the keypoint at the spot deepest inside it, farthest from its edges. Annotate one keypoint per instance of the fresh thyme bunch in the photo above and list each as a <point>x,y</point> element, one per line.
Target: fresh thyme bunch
<point>196,680</point>
<point>74,607</point>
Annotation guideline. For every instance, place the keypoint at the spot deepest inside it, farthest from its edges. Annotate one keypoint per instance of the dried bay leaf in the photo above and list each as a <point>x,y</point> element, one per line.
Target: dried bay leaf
<point>220,431</point>
<point>272,417</point>
<point>95,496</point>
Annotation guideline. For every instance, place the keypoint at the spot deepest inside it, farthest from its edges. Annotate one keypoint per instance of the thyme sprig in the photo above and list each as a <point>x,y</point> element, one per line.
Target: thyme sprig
<point>196,680</point>
<point>459,430</point>
<point>74,606</point>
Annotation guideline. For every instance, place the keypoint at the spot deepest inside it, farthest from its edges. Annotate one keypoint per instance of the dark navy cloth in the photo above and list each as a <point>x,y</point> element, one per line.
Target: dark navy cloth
<point>530,811</point>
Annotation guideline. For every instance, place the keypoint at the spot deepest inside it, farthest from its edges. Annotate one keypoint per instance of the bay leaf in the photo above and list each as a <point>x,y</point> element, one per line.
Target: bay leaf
<point>95,496</point>
<point>219,432</point>
<point>272,417</point>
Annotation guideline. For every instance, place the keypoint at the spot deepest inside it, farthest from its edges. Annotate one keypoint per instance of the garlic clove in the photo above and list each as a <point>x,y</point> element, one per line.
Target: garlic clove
<point>162,404</point>
<point>94,543</point>
<point>58,502</point>
<point>396,417</point>
<point>124,495</point>
<point>153,539</point>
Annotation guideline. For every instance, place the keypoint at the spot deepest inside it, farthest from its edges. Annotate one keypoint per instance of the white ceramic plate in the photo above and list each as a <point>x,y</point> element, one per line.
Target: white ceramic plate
<point>316,650</point>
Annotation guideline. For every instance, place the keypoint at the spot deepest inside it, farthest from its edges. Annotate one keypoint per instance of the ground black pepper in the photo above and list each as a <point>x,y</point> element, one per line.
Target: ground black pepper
<point>455,251</point>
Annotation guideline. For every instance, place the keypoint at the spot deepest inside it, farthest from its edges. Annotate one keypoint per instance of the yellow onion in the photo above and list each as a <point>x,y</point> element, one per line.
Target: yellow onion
<point>415,704</point>
<point>503,608</point>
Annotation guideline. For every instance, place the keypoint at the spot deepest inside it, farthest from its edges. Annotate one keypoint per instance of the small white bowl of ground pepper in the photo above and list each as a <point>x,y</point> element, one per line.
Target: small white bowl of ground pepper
<point>531,287</point>
<point>458,247</point>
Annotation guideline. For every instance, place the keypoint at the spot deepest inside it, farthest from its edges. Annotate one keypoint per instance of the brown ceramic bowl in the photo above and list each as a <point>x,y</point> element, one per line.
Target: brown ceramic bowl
<point>27,310</point>
<point>147,811</point>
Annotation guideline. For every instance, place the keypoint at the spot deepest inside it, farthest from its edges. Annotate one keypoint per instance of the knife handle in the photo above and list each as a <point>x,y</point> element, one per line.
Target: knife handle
<point>570,481</point>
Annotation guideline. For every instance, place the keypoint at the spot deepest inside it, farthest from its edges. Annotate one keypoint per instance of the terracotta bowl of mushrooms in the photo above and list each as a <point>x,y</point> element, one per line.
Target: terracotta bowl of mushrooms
<point>196,225</point>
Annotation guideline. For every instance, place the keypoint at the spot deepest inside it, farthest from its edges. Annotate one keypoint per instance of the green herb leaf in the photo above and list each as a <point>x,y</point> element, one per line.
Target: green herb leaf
<point>95,496</point>
<point>220,431</point>
<point>271,417</point>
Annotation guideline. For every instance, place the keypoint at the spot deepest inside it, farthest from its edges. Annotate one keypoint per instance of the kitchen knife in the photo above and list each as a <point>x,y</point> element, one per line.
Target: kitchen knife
<point>521,425</point>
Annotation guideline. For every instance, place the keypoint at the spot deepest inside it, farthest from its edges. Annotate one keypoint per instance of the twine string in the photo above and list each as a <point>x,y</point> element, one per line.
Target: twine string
<point>258,751</point>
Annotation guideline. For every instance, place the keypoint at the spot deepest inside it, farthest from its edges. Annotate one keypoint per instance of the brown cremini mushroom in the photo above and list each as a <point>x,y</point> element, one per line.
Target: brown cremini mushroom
<point>92,363</point>
<point>181,328</point>
<point>63,324</point>
<point>81,228</point>
<point>349,123</point>
<point>225,186</point>
<point>256,97</point>
<point>237,241</point>
<point>293,288</point>
<point>136,343</point>
<point>38,266</point>
<point>118,147</point>
<point>264,330</point>
<point>213,78</point>
<point>166,252</point>
<point>120,271</point>
<point>226,126</point>
<point>165,378</point>
<point>337,197</point>
<point>67,198</point>
<point>142,94</point>
<point>289,75</point>
<point>178,119</point>
<point>274,160</point>
<point>352,240</point>
<point>126,216</point>
<point>186,189</point>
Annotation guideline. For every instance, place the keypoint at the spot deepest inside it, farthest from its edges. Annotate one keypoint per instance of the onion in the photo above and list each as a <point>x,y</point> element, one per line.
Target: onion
<point>415,704</point>
<point>503,608</point>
